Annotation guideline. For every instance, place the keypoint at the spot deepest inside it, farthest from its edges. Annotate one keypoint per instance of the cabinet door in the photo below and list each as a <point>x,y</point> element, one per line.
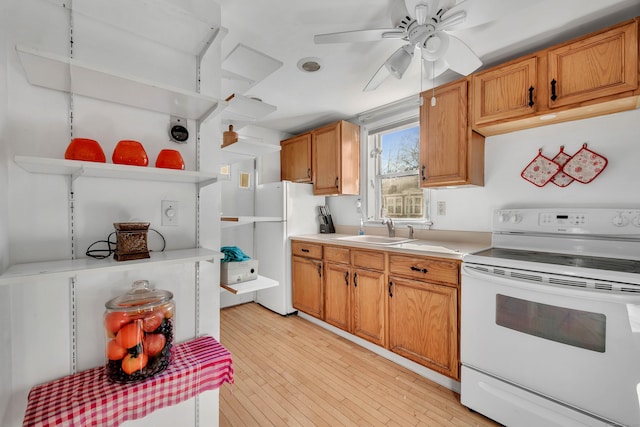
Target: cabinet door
<point>336,159</point>
<point>504,92</point>
<point>337,290</point>
<point>596,66</point>
<point>306,283</point>
<point>423,324</point>
<point>450,154</point>
<point>295,158</point>
<point>369,306</point>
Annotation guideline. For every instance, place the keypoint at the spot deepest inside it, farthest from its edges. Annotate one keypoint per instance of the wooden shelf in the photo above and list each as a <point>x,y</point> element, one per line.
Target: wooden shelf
<point>76,168</point>
<point>70,75</point>
<point>246,148</point>
<point>251,286</point>
<point>67,268</point>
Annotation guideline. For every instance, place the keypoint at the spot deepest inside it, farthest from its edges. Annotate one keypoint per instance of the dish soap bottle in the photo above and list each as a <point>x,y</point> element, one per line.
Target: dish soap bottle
<point>361,232</point>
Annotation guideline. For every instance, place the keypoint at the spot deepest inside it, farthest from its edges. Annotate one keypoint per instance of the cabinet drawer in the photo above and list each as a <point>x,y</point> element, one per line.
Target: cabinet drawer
<point>424,268</point>
<point>372,260</point>
<point>336,254</point>
<point>308,250</point>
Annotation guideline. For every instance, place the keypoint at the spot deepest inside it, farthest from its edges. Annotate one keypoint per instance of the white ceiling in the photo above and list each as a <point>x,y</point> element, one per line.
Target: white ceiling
<point>284,30</point>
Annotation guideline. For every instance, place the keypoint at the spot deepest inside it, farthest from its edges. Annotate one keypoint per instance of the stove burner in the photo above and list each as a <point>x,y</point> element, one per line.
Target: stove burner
<point>570,260</point>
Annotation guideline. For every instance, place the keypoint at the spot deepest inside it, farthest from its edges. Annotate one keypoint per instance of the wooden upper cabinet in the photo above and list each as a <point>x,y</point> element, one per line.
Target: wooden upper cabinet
<point>336,159</point>
<point>450,153</point>
<point>603,64</point>
<point>505,92</point>
<point>586,77</point>
<point>295,158</point>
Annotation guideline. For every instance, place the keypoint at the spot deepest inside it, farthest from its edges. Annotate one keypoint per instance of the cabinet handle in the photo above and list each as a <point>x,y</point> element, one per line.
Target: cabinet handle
<point>424,178</point>
<point>308,172</point>
<point>355,280</point>
<point>337,180</point>
<point>421,270</point>
<point>346,278</point>
<point>305,250</point>
<point>553,90</point>
<point>390,286</point>
<point>320,270</point>
<point>531,96</point>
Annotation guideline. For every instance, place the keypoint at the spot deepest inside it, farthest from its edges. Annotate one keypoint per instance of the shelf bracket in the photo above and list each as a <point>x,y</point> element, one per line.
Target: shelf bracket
<point>77,173</point>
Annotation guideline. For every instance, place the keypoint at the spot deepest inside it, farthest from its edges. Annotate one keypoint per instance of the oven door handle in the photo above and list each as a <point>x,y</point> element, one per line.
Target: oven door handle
<point>544,286</point>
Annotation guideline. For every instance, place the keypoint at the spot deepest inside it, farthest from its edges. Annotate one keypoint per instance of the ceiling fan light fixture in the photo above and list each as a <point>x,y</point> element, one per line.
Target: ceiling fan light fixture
<point>399,61</point>
<point>435,46</point>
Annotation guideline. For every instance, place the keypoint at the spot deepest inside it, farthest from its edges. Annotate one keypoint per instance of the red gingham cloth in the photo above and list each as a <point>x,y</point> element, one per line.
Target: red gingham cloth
<point>89,399</point>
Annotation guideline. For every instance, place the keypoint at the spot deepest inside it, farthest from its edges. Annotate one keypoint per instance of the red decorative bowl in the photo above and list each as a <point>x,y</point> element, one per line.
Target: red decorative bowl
<point>85,149</point>
<point>128,152</point>
<point>170,159</point>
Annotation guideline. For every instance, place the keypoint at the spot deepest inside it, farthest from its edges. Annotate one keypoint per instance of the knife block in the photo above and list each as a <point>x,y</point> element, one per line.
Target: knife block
<point>327,228</point>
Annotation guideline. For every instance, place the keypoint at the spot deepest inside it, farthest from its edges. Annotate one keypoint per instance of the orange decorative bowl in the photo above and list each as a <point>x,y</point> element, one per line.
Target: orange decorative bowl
<point>170,159</point>
<point>85,149</point>
<point>128,152</point>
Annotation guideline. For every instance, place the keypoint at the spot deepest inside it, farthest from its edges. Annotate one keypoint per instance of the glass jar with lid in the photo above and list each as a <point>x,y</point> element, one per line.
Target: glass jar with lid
<point>139,333</point>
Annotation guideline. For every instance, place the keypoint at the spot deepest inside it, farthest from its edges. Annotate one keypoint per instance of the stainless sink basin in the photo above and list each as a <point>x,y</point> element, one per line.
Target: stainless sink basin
<point>425,247</point>
<point>375,240</point>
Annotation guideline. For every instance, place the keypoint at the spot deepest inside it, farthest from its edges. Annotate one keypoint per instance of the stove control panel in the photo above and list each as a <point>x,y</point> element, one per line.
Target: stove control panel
<point>586,221</point>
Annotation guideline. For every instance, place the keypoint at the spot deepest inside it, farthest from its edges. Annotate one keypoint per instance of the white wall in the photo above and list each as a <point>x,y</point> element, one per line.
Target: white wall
<point>35,341</point>
<point>614,136</point>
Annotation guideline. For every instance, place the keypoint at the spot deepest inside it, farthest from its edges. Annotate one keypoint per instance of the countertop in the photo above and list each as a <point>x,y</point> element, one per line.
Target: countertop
<point>460,247</point>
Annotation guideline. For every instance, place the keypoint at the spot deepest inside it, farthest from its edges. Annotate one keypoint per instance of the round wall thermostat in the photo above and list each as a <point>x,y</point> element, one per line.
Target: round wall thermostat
<point>178,130</point>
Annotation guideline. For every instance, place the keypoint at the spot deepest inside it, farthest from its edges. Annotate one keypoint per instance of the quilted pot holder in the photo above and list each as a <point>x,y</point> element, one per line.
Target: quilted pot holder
<point>540,170</point>
<point>585,165</point>
<point>561,179</point>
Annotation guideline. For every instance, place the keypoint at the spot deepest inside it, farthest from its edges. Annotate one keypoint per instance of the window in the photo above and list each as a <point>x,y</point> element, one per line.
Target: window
<point>393,180</point>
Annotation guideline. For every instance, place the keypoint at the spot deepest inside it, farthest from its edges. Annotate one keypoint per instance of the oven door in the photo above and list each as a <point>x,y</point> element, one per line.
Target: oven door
<point>579,347</point>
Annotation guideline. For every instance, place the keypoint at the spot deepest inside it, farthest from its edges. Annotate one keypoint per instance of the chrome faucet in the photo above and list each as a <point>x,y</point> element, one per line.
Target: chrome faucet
<point>390,226</point>
<point>410,227</point>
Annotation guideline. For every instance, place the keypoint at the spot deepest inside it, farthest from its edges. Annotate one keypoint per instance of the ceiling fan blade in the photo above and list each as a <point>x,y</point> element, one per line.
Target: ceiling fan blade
<point>378,78</point>
<point>460,57</point>
<point>481,12</point>
<point>359,36</point>
<point>433,69</point>
<point>398,11</point>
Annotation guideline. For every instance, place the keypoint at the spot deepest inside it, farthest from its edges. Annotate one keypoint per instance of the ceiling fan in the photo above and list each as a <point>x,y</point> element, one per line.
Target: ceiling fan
<point>424,25</point>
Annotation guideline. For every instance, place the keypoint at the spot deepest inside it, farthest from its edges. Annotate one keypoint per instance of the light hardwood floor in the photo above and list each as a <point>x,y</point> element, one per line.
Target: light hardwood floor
<point>290,372</point>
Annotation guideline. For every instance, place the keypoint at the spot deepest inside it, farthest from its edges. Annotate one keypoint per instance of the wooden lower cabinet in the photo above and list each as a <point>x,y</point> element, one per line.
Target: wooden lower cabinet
<point>307,285</point>
<point>355,298</point>
<point>369,306</point>
<point>423,324</point>
<point>337,295</point>
<point>407,304</point>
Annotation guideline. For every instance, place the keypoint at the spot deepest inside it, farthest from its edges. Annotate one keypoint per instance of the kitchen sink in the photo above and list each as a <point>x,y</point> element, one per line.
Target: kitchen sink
<point>375,240</point>
<point>418,246</point>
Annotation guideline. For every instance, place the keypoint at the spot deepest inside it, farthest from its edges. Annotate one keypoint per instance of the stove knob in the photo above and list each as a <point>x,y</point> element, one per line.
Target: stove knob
<point>515,219</point>
<point>636,221</point>
<point>619,220</point>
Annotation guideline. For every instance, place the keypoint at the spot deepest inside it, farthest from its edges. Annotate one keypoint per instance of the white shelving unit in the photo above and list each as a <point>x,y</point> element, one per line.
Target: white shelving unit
<point>246,148</point>
<point>70,267</point>
<point>70,75</point>
<point>76,168</point>
<point>189,31</point>
<point>232,221</point>
<point>251,286</point>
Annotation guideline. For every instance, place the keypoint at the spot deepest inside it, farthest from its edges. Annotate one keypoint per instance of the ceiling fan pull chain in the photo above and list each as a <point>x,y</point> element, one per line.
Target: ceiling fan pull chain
<point>433,88</point>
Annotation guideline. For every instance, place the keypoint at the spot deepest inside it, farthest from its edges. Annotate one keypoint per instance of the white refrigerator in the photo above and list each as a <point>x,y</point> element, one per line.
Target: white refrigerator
<point>293,210</point>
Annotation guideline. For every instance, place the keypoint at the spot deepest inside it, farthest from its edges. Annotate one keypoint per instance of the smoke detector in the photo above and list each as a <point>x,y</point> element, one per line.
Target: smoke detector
<point>310,65</point>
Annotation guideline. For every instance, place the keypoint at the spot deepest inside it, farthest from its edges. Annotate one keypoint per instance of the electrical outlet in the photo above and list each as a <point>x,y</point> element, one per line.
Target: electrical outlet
<point>442,208</point>
<point>169,213</point>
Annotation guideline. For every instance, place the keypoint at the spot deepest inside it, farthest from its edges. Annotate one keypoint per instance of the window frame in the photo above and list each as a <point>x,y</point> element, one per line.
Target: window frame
<point>400,115</point>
